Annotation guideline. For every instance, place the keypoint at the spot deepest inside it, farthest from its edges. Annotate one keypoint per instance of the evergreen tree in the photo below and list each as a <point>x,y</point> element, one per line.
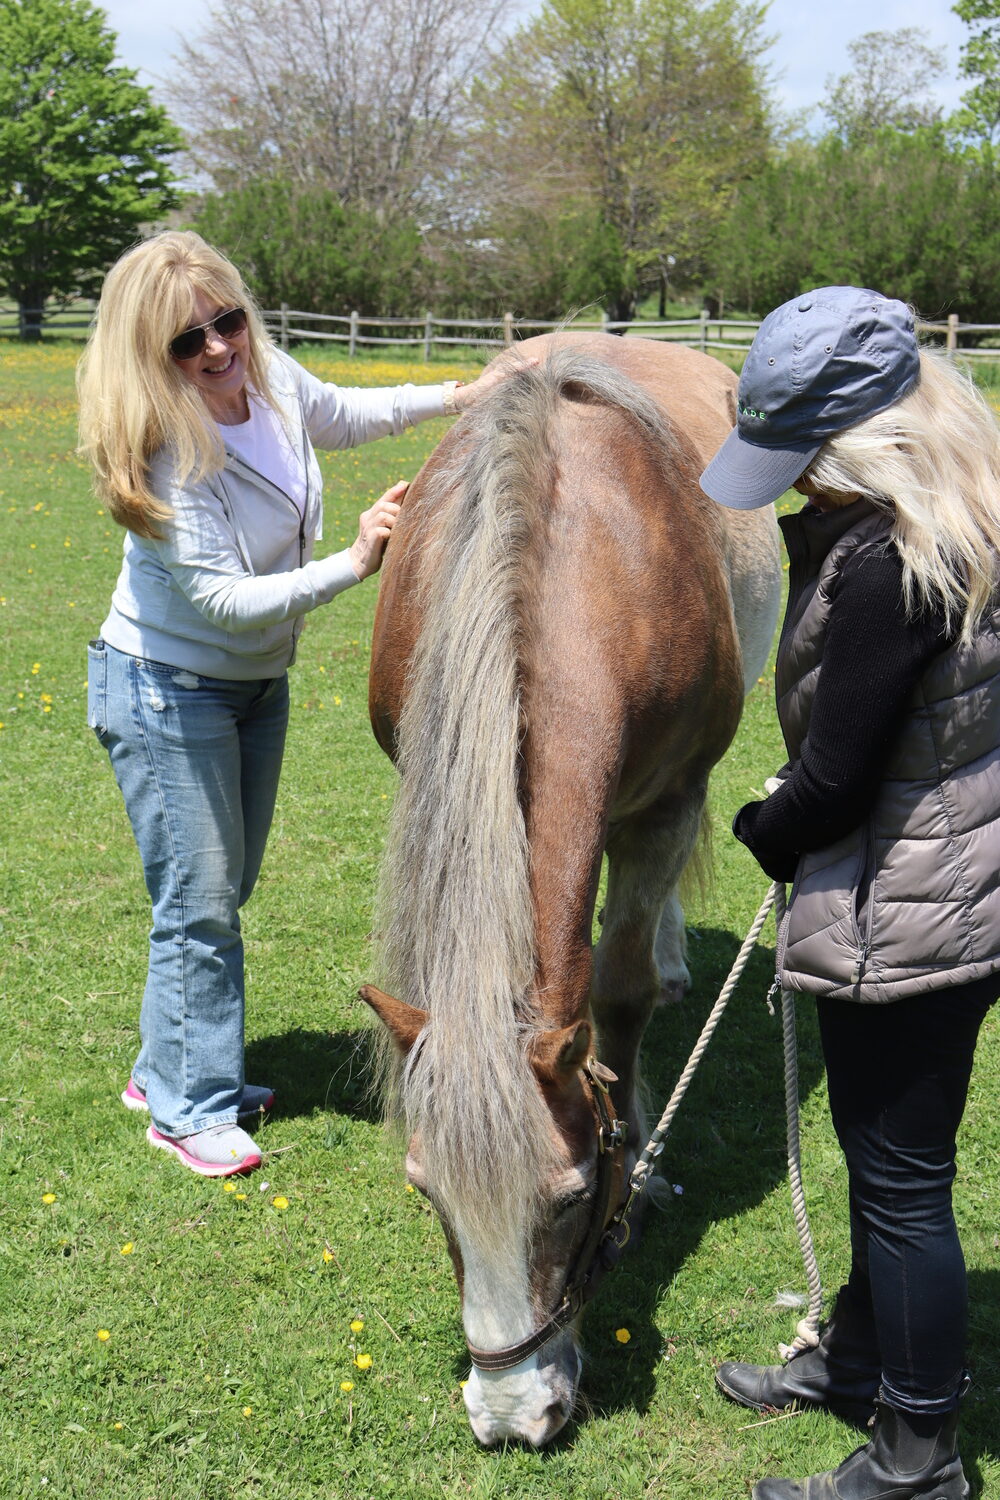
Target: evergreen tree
<point>83,153</point>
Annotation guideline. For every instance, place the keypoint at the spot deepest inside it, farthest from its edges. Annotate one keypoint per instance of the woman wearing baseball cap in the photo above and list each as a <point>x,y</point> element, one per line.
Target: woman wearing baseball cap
<point>886,821</point>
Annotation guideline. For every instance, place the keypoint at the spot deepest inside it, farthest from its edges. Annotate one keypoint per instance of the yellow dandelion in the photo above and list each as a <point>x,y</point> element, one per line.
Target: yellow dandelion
<point>364,1361</point>
<point>336,702</point>
<point>36,667</point>
<point>103,1335</point>
<point>410,1188</point>
<point>280,1202</point>
<point>127,1248</point>
<point>248,1411</point>
<point>48,1197</point>
<point>229,1187</point>
<point>240,1197</point>
<point>357,1324</point>
<point>327,1255</point>
<point>622,1335</point>
<point>347,1385</point>
<point>119,1426</point>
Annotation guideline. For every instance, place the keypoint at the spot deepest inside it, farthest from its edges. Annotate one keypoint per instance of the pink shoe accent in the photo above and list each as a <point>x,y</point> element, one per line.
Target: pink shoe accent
<point>134,1098</point>
<point>256,1100</point>
<point>236,1167</point>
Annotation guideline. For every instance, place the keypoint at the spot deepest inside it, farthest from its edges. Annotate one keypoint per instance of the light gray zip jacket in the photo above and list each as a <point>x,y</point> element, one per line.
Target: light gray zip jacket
<point>223,592</point>
<point>910,901</point>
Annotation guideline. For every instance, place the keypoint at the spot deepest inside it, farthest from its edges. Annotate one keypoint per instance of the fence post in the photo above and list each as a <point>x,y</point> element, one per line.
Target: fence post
<point>428,336</point>
<point>284,326</point>
<point>704,329</point>
<point>951,337</point>
<point>508,329</point>
<point>352,342</point>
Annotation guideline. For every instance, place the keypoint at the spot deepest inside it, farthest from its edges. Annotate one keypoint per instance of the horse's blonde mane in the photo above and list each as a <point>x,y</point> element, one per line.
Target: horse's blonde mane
<point>455,915</point>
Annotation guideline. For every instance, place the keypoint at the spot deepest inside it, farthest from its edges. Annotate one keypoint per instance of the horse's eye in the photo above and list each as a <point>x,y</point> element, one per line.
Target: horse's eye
<point>576,1200</point>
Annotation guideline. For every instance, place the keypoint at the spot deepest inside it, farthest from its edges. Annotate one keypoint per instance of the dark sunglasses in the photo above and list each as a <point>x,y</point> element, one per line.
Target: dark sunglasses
<point>191,343</point>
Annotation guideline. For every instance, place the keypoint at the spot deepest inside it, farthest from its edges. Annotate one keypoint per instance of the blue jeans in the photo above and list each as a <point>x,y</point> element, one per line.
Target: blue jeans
<point>197,760</point>
<point>897,1077</point>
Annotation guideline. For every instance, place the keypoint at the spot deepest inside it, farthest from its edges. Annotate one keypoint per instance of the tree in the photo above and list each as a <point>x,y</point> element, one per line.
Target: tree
<point>83,153</point>
<point>302,246</point>
<point>639,114</point>
<point>980,62</point>
<point>908,213</point>
<point>889,86</point>
<point>362,99</point>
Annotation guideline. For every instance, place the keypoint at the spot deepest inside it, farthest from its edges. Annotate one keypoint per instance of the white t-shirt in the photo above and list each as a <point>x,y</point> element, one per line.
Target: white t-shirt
<point>263,443</point>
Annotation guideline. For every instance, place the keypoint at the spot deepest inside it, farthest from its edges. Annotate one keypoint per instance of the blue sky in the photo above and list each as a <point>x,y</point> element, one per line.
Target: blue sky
<point>811,38</point>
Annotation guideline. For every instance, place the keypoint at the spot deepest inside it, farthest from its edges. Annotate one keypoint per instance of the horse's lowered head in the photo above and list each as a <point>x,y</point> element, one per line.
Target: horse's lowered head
<point>523,1175</point>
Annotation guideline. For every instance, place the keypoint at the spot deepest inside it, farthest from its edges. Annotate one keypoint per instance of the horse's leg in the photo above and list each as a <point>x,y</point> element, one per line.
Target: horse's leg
<point>641,947</point>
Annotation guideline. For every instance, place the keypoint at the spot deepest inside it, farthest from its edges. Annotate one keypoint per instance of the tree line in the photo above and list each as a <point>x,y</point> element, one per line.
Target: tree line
<point>385,155</point>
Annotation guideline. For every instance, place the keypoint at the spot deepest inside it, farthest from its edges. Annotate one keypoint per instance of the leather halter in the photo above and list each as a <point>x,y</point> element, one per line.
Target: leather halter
<point>606,1238</point>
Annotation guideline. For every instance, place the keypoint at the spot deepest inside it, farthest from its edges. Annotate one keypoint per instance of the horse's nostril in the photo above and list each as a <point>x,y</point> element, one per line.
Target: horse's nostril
<point>553,1418</point>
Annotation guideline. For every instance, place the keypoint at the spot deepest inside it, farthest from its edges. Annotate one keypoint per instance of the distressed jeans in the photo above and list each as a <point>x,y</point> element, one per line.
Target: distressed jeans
<point>897,1077</point>
<point>197,760</point>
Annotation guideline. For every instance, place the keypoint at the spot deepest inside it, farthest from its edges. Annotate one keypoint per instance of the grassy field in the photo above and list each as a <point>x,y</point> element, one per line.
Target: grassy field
<point>297,1334</point>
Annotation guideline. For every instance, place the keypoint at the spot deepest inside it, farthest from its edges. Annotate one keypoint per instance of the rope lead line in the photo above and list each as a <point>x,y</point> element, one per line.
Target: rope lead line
<point>806,1334</point>
<point>807,1330</point>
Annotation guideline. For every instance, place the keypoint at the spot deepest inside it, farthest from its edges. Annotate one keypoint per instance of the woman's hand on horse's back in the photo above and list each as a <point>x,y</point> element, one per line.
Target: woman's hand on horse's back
<point>374,529</point>
<point>467,394</point>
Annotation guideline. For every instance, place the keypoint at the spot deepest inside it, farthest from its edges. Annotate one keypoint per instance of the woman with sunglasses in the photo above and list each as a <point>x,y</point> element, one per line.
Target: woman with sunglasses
<point>202,436</point>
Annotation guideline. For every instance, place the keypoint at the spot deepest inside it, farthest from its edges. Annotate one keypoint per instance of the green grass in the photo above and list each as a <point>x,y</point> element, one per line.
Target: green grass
<point>229,1317</point>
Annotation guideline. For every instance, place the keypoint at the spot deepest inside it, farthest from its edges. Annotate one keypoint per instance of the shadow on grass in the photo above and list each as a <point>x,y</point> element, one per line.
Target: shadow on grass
<point>310,1070</point>
<point>725,1152</point>
<point>981,1414</point>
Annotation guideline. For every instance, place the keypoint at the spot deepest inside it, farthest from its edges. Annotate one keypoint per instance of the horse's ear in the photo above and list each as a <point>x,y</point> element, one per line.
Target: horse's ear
<point>556,1055</point>
<point>405,1022</point>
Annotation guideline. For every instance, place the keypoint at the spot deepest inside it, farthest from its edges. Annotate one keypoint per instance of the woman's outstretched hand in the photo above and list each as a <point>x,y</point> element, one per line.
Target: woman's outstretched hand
<point>467,394</point>
<point>374,529</point>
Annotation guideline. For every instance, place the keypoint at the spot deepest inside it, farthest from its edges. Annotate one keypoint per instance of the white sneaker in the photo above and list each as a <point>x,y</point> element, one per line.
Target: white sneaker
<point>219,1151</point>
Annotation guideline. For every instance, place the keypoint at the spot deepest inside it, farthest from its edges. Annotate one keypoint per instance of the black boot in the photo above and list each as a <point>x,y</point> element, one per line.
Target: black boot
<point>908,1458</point>
<point>841,1374</point>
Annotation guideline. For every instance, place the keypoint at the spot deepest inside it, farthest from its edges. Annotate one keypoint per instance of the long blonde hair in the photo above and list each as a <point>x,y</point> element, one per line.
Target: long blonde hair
<point>933,461</point>
<point>134,398</point>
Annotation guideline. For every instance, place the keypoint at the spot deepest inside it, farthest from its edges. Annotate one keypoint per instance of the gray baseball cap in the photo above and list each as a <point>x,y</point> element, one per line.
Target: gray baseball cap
<point>821,362</point>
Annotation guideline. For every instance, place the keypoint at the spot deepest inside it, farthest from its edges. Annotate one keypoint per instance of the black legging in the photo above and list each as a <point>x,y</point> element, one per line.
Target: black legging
<point>898,1076</point>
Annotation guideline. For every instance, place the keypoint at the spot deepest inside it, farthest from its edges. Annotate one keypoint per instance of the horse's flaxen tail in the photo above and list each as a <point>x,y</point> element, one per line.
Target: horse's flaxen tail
<point>455,913</point>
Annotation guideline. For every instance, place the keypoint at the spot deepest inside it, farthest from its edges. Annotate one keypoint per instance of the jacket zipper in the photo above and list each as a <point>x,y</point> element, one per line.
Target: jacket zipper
<point>864,939</point>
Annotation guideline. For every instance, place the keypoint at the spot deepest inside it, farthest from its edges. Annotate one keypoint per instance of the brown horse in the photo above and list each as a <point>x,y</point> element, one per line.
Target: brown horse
<point>565,634</point>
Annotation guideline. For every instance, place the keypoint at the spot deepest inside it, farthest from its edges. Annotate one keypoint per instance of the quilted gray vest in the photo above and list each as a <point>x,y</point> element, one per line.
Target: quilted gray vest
<point>910,901</point>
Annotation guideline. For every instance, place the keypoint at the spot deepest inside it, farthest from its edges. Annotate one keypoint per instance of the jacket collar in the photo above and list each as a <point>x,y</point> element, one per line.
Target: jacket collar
<point>810,533</point>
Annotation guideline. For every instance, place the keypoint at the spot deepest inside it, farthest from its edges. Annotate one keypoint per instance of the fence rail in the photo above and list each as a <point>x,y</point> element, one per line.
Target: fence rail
<point>289,325</point>
<point>18,322</point>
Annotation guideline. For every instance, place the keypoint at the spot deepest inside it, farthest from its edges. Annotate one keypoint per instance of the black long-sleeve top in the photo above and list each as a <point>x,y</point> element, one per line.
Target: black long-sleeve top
<point>873,657</point>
